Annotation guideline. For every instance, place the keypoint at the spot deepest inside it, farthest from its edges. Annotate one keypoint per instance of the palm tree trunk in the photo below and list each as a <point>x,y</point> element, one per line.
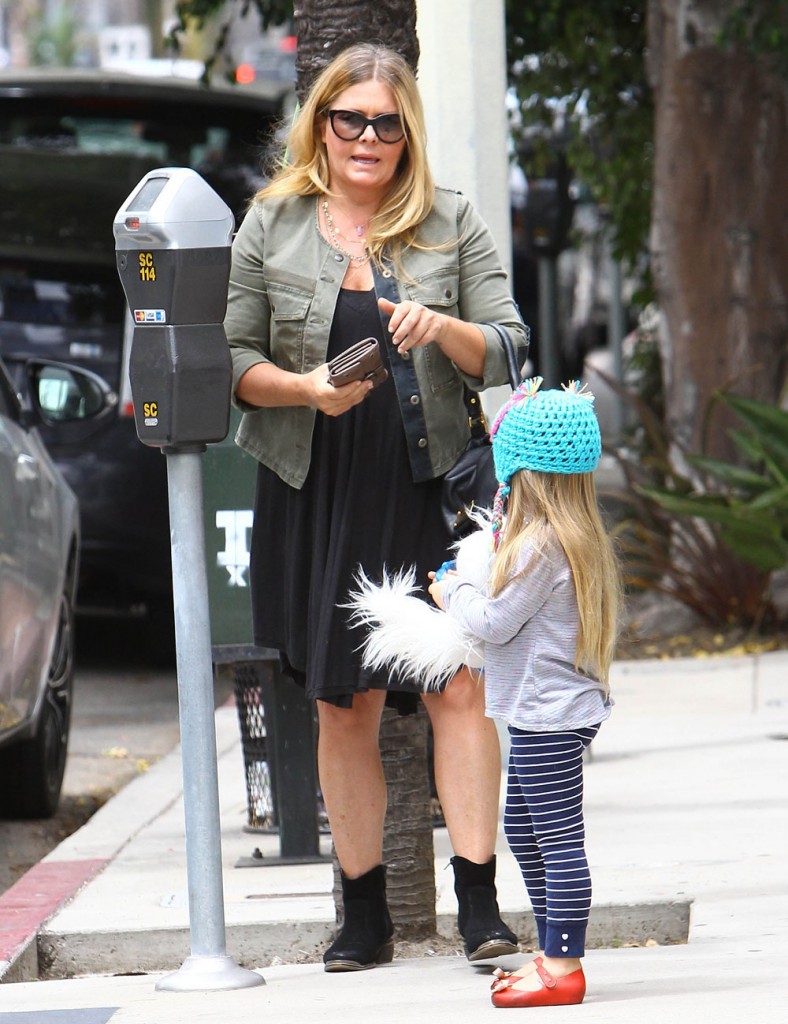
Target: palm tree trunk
<point>325,27</point>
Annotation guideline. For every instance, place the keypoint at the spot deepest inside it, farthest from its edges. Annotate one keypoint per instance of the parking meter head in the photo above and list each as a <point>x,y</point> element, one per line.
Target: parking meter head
<point>173,240</point>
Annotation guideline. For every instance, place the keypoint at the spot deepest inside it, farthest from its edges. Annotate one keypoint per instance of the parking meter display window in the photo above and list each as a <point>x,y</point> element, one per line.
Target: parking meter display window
<point>148,194</point>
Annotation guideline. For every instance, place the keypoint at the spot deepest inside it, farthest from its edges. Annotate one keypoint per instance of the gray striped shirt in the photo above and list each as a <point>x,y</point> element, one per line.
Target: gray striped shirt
<point>530,634</point>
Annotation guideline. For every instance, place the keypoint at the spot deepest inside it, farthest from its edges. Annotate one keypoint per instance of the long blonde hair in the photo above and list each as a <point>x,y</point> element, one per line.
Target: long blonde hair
<point>545,508</point>
<point>303,166</point>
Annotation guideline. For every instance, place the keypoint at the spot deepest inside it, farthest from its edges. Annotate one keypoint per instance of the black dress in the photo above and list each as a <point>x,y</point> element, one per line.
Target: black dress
<point>358,507</point>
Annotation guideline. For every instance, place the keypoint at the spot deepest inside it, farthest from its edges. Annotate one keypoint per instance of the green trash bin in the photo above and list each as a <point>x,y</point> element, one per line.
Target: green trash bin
<point>276,719</point>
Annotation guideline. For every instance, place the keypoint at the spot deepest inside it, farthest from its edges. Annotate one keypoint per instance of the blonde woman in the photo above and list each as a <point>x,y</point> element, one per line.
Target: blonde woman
<point>351,239</point>
<point>547,619</point>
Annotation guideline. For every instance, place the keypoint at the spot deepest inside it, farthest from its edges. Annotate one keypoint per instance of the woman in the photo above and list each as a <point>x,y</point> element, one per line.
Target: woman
<point>351,239</point>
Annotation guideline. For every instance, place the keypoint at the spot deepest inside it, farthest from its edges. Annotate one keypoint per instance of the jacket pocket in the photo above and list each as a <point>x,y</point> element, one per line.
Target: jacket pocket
<point>438,290</point>
<point>289,311</point>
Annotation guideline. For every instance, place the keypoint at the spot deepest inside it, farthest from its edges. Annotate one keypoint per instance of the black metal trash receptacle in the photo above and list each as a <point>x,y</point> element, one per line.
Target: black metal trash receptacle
<point>275,718</point>
<point>248,690</point>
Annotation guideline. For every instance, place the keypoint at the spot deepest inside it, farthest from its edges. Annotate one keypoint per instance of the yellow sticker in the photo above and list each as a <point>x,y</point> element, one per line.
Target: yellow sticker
<point>147,267</point>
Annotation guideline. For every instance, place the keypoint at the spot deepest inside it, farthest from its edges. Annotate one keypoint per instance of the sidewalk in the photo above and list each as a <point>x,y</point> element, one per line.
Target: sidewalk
<point>687,822</point>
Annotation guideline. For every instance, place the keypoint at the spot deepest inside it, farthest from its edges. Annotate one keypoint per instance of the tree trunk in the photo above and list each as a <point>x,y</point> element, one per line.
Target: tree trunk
<point>407,839</point>
<point>719,239</point>
<point>325,27</point>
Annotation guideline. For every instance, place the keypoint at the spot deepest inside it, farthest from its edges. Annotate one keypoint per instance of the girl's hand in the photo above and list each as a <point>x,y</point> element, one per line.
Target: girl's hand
<point>330,400</point>
<point>436,591</point>
<point>411,324</point>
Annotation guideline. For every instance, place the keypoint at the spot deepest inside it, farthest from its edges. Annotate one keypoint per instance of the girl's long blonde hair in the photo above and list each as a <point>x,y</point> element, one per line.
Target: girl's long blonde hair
<point>547,507</point>
<point>303,165</point>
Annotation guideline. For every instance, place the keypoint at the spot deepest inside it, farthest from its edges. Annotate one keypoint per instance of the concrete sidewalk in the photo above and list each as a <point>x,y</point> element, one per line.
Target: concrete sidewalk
<point>687,823</point>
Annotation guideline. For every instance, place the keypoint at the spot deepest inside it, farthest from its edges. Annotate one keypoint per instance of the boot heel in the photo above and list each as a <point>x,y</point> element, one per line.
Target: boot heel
<point>386,953</point>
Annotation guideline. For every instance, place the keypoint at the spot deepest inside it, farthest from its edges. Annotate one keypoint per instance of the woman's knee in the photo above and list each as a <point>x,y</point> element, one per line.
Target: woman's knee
<point>360,720</point>
<point>464,697</point>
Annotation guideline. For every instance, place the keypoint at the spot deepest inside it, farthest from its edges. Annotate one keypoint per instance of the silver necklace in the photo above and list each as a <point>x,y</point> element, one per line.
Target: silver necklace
<point>334,235</point>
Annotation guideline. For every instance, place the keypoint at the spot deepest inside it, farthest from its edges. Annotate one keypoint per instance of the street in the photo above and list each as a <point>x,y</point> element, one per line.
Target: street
<point>124,718</point>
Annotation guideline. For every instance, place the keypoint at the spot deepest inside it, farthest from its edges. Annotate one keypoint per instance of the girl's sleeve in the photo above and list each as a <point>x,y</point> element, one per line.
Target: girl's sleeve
<point>497,619</point>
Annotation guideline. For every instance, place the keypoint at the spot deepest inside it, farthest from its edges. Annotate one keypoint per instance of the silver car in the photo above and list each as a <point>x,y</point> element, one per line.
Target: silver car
<point>39,561</point>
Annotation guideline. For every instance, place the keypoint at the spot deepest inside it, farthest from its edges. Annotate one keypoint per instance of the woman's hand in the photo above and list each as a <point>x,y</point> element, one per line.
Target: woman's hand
<point>330,400</point>
<point>412,324</point>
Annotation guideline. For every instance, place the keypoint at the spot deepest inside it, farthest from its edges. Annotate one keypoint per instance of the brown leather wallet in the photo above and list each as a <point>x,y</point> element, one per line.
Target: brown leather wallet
<point>361,361</point>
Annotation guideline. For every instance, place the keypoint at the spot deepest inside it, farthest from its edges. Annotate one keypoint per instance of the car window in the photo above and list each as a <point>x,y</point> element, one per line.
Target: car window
<point>69,162</point>
<point>72,312</point>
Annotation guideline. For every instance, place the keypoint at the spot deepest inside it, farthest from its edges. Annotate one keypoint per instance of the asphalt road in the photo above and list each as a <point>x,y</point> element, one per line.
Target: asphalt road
<point>124,718</point>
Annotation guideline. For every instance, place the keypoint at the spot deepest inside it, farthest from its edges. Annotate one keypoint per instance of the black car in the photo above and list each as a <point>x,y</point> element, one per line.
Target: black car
<point>73,145</point>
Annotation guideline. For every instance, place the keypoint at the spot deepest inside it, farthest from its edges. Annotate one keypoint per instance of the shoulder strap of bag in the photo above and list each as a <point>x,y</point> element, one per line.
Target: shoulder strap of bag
<point>514,363</point>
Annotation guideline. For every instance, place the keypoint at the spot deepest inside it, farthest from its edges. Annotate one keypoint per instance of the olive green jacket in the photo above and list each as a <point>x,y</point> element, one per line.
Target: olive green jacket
<point>284,284</point>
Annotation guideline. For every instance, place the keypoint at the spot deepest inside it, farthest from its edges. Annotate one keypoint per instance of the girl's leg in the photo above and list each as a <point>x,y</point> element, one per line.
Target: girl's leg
<point>352,781</point>
<point>548,768</point>
<point>520,835</point>
<point>519,832</point>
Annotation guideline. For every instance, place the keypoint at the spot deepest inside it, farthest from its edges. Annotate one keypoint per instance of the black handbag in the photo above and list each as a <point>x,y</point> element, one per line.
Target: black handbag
<point>471,480</point>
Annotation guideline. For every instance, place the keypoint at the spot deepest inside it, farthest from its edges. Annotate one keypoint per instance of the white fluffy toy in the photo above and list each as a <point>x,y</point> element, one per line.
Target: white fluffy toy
<point>411,636</point>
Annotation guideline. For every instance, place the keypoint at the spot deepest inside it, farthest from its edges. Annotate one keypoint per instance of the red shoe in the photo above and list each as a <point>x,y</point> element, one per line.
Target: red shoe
<point>554,992</point>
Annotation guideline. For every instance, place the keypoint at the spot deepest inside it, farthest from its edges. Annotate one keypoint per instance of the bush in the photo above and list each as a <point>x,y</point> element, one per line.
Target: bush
<point>708,533</point>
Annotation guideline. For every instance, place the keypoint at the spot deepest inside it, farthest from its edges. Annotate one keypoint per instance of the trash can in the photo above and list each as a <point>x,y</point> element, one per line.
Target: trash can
<point>275,718</point>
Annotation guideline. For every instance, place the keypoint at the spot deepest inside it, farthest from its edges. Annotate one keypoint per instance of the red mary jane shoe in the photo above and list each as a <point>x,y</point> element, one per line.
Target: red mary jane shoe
<point>554,991</point>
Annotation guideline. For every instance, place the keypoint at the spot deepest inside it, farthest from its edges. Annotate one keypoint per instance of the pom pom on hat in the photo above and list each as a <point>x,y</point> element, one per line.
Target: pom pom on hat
<point>546,431</point>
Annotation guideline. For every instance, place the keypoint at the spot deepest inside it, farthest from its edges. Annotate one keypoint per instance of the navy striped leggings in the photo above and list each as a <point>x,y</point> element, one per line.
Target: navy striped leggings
<point>543,823</point>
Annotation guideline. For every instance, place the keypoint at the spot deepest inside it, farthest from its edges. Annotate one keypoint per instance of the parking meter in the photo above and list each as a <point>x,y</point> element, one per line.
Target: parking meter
<point>172,243</point>
<point>172,240</point>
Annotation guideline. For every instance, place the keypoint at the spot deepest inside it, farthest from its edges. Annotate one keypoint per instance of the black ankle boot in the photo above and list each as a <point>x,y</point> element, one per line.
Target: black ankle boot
<point>479,920</point>
<point>366,936</point>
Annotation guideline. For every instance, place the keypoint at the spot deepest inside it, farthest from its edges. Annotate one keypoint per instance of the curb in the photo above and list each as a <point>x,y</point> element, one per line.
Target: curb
<point>256,946</point>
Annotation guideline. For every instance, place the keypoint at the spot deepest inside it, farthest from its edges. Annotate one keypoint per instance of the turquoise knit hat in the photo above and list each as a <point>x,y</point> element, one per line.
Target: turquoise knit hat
<point>546,431</point>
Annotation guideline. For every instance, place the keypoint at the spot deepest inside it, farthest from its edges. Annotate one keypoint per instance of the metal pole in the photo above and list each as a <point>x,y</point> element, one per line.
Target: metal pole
<point>208,967</point>
<point>615,338</point>
<point>549,366</point>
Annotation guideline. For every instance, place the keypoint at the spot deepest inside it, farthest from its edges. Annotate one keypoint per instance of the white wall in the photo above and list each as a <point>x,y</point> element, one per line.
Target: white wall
<point>462,77</point>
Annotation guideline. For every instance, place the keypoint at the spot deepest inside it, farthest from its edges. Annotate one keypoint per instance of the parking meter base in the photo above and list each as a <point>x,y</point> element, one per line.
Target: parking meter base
<point>181,377</point>
<point>209,974</point>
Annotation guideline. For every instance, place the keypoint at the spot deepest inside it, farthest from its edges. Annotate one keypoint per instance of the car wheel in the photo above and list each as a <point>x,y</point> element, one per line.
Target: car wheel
<point>38,764</point>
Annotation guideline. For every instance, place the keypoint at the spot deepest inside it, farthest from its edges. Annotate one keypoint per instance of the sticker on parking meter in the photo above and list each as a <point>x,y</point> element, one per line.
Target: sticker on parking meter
<point>147,267</point>
<point>150,413</point>
<point>150,316</point>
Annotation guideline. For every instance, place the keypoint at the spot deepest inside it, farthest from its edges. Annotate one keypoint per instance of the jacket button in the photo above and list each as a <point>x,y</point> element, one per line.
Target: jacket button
<point>414,399</point>
<point>447,293</point>
<point>422,442</point>
<point>339,257</point>
<point>405,355</point>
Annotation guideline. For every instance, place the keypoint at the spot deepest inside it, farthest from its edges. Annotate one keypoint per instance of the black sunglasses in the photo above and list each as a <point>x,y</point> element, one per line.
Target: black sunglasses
<point>349,125</point>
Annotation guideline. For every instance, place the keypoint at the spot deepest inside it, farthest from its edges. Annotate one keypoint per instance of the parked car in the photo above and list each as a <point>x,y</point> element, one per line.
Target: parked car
<point>39,560</point>
<point>73,145</point>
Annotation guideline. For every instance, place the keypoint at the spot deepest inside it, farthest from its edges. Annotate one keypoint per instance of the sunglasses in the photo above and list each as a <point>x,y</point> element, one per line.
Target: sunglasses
<point>349,125</point>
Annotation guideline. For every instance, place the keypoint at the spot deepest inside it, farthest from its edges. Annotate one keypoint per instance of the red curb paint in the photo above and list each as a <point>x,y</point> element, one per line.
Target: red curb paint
<point>36,896</point>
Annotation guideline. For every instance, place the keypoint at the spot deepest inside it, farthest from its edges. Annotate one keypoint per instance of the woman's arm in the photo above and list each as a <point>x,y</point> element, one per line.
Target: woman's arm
<point>265,384</point>
<point>258,381</point>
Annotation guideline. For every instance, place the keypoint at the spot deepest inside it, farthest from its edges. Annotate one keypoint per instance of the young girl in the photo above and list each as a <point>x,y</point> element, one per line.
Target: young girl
<point>547,619</point>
